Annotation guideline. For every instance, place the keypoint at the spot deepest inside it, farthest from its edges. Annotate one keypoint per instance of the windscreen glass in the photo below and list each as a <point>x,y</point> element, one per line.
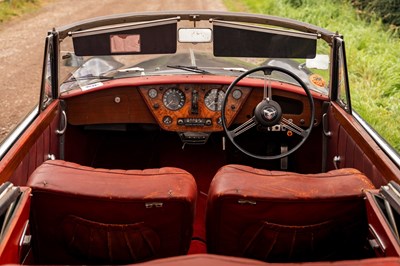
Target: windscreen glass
<point>89,59</point>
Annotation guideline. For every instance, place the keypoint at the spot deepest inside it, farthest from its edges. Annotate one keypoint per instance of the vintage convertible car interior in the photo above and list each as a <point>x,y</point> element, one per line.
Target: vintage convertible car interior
<point>228,138</point>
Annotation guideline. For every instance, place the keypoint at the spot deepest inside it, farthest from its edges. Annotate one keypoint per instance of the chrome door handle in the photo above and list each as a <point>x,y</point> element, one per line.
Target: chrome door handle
<point>64,117</point>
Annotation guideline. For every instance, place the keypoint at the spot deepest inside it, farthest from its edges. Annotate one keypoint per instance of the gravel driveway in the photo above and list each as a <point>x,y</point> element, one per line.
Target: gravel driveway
<point>22,44</point>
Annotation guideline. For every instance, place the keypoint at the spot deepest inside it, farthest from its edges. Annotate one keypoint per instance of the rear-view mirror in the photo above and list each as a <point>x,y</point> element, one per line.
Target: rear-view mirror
<point>195,35</point>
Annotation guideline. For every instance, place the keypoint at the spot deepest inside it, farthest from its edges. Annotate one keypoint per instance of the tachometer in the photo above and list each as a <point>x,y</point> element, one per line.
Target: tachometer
<point>174,99</point>
<point>213,99</point>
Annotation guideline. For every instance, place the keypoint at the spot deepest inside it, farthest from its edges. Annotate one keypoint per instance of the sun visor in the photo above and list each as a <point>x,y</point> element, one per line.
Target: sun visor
<point>155,37</point>
<point>238,40</point>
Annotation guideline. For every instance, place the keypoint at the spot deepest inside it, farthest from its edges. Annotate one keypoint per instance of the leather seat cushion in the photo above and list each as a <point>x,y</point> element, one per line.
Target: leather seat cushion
<point>284,216</point>
<point>336,183</point>
<point>84,215</point>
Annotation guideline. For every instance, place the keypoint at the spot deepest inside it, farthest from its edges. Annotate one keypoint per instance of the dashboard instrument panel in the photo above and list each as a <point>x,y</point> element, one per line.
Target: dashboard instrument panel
<point>192,107</point>
<point>183,107</point>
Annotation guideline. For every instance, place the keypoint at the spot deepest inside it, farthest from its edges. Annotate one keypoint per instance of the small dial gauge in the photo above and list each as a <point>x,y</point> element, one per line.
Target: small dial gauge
<point>214,98</point>
<point>237,94</point>
<point>167,120</point>
<point>174,99</point>
<point>153,93</point>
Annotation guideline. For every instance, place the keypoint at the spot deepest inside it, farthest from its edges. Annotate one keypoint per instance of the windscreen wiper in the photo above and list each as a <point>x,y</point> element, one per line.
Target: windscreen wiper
<point>194,69</point>
<point>88,77</point>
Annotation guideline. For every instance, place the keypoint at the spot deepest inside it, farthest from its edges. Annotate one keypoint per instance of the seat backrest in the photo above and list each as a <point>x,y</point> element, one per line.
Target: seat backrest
<point>82,215</point>
<point>286,217</point>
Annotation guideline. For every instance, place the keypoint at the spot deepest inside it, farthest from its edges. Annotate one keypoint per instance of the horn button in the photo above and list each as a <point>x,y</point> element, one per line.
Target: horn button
<point>268,113</point>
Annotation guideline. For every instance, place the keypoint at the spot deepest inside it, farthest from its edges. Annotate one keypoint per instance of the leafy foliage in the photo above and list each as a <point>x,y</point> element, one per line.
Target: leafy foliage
<point>388,11</point>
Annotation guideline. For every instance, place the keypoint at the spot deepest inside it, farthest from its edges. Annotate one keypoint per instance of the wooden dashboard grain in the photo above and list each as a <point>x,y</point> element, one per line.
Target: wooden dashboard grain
<point>132,104</point>
<point>300,119</point>
<point>118,105</point>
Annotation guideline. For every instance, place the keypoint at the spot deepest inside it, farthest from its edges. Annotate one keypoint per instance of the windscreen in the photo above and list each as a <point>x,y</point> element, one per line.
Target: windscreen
<point>92,57</point>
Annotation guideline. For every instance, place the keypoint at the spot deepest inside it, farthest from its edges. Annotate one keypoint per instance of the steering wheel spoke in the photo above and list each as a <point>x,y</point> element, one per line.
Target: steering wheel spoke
<point>267,88</point>
<point>293,127</point>
<point>243,127</point>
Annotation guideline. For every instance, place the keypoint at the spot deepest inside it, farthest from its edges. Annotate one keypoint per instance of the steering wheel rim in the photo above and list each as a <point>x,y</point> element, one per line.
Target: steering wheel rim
<point>253,121</point>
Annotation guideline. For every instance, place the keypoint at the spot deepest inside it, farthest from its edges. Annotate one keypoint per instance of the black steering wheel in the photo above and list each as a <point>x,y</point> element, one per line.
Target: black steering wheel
<point>268,113</point>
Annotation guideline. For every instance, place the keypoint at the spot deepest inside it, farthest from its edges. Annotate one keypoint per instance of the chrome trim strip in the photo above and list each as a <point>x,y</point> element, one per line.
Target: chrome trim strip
<point>241,26</point>
<point>21,240</point>
<point>17,132</point>
<point>122,27</point>
<point>377,238</point>
<point>393,155</point>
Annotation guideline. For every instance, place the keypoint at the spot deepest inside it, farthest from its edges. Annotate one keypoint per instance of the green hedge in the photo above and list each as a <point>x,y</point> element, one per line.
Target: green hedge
<point>387,10</point>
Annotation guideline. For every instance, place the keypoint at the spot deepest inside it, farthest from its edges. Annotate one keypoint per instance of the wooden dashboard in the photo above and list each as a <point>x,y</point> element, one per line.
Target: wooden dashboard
<point>182,107</point>
<point>192,107</point>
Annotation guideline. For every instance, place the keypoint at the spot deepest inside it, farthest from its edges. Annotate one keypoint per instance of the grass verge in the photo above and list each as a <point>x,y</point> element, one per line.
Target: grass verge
<point>14,8</point>
<point>373,55</point>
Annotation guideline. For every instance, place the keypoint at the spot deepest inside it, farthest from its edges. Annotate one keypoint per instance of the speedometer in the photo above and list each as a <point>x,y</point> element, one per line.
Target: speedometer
<point>214,98</point>
<point>174,99</point>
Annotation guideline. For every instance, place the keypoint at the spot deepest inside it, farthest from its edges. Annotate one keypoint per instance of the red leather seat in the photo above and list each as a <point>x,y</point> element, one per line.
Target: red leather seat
<point>82,215</point>
<point>281,216</point>
<point>216,260</point>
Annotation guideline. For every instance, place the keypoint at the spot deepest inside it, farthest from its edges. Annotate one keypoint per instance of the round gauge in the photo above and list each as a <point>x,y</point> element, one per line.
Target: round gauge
<point>167,120</point>
<point>214,98</point>
<point>174,99</point>
<point>153,93</point>
<point>236,94</point>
